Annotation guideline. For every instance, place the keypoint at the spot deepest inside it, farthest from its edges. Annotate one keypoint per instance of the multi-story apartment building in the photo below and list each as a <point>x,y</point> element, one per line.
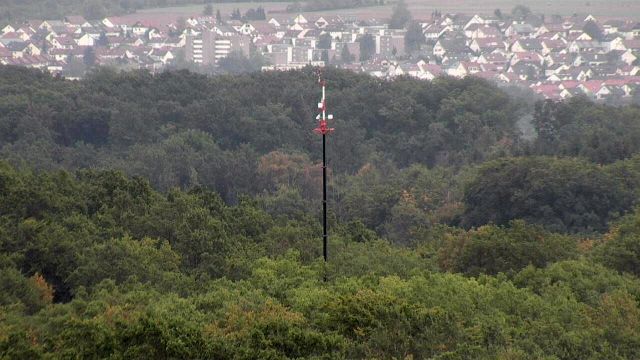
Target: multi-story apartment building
<point>390,43</point>
<point>208,47</point>
<point>193,49</point>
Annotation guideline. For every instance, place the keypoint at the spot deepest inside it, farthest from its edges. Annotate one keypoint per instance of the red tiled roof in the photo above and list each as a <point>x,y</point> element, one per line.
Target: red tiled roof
<point>616,82</point>
<point>4,52</point>
<point>632,44</point>
<point>491,42</point>
<point>553,44</point>
<point>549,91</point>
<point>488,75</point>
<point>432,68</point>
<point>263,27</point>
<point>592,85</point>
<point>570,84</point>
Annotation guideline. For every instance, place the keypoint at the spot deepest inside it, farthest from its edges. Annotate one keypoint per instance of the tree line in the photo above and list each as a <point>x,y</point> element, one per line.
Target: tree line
<point>448,151</point>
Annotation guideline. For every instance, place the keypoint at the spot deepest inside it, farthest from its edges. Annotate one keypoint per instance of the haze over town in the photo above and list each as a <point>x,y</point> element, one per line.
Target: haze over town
<point>545,47</point>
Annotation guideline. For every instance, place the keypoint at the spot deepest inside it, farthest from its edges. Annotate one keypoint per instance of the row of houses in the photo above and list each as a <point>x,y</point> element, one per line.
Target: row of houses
<point>56,45</point>
<point>558,57</point>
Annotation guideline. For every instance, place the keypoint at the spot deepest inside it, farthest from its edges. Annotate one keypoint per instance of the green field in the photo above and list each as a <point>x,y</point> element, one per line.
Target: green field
<point>224,8</point>
<point>423,8</point>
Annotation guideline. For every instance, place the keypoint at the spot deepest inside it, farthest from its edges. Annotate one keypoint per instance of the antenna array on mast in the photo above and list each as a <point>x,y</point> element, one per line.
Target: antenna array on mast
<point>323,129</point>
<point>322,117</point>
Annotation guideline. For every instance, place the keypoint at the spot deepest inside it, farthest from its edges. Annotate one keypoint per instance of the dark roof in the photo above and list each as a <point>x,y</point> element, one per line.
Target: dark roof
<point>17,45</point>
<point>454,45</point>
<point>530,44</point>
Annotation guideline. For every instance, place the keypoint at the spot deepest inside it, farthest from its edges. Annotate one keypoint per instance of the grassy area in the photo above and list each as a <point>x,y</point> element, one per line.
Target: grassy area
<point>225,8</point>
<point>423,8</point>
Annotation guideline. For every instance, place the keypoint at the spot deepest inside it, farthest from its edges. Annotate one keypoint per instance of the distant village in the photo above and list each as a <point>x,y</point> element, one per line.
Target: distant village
<point>558,57</point>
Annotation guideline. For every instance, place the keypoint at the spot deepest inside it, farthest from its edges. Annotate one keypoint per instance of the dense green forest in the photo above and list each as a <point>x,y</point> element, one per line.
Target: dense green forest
<point>97,265</point>
<point>177,216</point>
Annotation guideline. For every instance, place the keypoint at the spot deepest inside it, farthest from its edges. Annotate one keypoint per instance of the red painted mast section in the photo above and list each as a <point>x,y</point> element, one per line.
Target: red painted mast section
<point>322,128</point>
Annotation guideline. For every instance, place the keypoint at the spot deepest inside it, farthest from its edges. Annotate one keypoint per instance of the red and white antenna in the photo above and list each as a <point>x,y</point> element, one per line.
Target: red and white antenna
<point>322,118</point>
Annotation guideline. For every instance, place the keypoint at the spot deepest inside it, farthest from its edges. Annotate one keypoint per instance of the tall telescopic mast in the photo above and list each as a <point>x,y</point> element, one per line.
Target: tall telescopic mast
<point>323,130</point>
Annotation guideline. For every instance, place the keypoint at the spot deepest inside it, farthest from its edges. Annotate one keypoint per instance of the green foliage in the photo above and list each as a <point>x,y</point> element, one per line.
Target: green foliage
<point>345,55</point>
<point>402,205</point>
<point>564,195</point>
<point>367,47</point>
<point>237,63</point>
<point>89,57</point>
<point>207,10</point>
<point>205,243</point>
<point>592,29</point>
<point>414,37</point>
<point>274,332</point>
<point>204,288</point>
<point>227,133</point>
<point>520,11</point>
<point>32,293</point>
<point>620,249</point>
<point>284,310</point>
<point>493,249</point>
<point>324,41</point>
<point>255,14</point>
<point>585,280</point>
<point>369,317</point>
<point>578,127</point>
<point>400,15</point>
<point>144,261</point>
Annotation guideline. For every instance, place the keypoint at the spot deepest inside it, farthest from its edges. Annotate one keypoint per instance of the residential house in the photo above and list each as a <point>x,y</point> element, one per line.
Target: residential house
<point>520,29</point>
<point>452,45</point>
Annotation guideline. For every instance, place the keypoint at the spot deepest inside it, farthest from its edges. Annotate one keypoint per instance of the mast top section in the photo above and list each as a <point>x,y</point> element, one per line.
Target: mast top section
<point>322,117</point>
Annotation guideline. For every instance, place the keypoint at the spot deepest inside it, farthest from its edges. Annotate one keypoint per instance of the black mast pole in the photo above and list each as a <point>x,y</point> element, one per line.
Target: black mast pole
<point>323,129</point>
<point>325,235</point>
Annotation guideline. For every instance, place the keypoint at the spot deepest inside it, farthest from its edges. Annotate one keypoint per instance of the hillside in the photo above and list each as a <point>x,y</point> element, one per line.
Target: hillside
<point>134,273</point>
<point>177,216</point>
